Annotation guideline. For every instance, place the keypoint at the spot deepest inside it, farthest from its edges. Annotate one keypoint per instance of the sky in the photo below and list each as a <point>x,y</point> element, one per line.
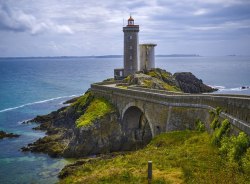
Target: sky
<point>85,27</point>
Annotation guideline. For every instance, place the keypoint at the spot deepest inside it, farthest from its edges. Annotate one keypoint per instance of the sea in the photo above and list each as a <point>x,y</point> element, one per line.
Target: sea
<point>37,86</point>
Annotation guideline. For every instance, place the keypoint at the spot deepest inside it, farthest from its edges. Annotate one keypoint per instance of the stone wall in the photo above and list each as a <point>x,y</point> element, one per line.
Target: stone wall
<point>167,112</point>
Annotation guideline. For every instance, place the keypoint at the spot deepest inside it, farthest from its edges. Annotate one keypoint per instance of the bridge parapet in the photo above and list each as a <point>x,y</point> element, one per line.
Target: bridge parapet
<point>235,107</point>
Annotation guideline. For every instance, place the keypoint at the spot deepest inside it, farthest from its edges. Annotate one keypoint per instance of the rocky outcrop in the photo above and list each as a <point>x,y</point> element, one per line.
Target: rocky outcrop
<point>7,135</point>
<point>143,80</point>
<point>103,136</point>
<point>161,79</point>
<point>191,84</point>
<point>66,138</point>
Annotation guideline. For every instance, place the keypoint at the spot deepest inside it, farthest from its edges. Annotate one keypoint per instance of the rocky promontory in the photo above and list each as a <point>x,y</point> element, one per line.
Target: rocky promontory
<point>7,135</point>
<point>90,125</point>
<point>188,83</point>
<point>161,79</point>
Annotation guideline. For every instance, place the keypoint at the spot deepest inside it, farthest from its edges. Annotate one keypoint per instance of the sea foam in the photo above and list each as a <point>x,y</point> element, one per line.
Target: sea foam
<point>38,102</point>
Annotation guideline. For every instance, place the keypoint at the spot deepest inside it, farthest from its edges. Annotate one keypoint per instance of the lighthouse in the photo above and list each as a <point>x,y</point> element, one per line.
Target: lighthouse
<point>131,41</point>
<point>130,55</point>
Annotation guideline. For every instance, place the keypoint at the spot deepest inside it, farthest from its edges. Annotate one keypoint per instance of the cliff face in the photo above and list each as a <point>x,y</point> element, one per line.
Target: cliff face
<point>67,136</point>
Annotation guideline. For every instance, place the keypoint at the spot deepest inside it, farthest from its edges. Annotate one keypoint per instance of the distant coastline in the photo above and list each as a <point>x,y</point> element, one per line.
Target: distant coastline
<point>102,56</point>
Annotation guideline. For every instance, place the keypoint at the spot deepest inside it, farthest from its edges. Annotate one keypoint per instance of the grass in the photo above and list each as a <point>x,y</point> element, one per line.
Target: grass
<point>122,87</point>
<point>171,88</point>
<point>81,103</point>
<point>178,157</point>
<point>98,108</point>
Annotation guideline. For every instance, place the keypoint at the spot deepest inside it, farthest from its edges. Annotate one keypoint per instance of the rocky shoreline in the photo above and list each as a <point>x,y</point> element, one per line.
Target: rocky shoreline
<point>7,135</point>
<point>103,134</point>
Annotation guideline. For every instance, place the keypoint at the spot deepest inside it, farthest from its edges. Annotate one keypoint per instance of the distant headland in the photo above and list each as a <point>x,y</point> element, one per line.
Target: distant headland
<point>102,56</point>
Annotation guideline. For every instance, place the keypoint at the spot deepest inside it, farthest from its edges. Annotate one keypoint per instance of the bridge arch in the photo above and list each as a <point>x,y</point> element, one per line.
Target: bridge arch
<point>140,107</point>
<point>136,126</point>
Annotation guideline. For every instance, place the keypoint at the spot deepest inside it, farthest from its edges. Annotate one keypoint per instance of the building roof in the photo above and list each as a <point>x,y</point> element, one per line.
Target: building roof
<point>148,44</point>
<point>130,18</point>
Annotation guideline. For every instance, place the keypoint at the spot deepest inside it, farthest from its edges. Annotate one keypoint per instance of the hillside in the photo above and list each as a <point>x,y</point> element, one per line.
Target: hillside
<point>178,157</point>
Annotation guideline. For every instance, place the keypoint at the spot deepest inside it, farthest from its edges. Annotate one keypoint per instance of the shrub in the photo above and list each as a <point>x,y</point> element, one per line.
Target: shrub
<point>235,146</point>
<point>220,132</point>
<point>200,126</point>
<point>226,145</point>
<point>215,123</point>
<point>240,145</point>
<point>212,113</point>
<point>246,162</point>
<point>215,115</point>
<point>218,110</point>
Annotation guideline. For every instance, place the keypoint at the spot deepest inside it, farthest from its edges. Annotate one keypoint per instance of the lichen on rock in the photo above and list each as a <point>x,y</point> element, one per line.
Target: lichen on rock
<point>161,79</point>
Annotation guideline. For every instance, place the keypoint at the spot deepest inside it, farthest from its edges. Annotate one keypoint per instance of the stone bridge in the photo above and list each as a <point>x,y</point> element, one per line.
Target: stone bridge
<point>145,113</point>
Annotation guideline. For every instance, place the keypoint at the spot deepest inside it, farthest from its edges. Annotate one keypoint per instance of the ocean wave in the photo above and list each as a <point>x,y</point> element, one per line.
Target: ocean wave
<point>38,102</point>
<point>217,87</point>
<point>223,88</point>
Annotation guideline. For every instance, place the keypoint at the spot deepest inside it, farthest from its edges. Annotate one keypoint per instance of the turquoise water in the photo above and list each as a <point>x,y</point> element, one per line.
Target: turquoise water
<point>32,86</point>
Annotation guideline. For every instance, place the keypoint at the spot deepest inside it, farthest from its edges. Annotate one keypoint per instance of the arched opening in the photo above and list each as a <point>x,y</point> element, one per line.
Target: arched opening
<point>136,129</point>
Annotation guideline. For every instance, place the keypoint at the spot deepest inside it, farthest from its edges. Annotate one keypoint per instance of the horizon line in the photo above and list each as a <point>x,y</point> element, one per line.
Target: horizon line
<point>116,56</point>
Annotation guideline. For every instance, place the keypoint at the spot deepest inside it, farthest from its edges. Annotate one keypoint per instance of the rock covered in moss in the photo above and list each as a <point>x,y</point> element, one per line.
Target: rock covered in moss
<point>161,79</point>
<point>68,137</point>
<point>148,81</point>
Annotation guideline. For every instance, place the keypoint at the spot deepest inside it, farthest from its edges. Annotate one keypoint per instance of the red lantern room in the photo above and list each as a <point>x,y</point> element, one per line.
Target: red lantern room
<point>130,21</point>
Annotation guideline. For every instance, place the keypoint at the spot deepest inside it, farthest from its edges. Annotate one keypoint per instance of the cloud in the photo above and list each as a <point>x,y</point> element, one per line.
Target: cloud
<point>97,25</point>
<point>18,21</point>
<point>201,12</point>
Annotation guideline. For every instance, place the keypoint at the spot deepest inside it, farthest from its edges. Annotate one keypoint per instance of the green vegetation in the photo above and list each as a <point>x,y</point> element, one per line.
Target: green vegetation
<point>97,108</point>
<point>122,87</point>
<point>235,149</point>
<point>151,84</point>
<point>171,88</point>
<point>215,116</point>
<point>235,146</point>
<point>220,132</point>
<point>81,103</point>
<point>200,126</point>
<point>155,79</point>
<point>178,157</point>
<point>159,74</point>
<point>128,78</point>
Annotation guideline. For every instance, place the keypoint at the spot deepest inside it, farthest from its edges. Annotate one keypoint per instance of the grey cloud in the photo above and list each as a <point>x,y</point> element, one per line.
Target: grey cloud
<point>18,21</point>
<point>97,24</point>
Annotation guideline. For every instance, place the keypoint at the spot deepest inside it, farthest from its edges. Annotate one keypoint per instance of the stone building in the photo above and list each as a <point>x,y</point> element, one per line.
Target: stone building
<point>130,54</point>
<point>147,56</point>
<point>131,41</point>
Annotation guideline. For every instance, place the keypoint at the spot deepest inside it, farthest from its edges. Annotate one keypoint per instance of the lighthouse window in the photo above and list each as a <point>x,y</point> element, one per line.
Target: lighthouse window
<point>130,37</point>
<point>130,47</point>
